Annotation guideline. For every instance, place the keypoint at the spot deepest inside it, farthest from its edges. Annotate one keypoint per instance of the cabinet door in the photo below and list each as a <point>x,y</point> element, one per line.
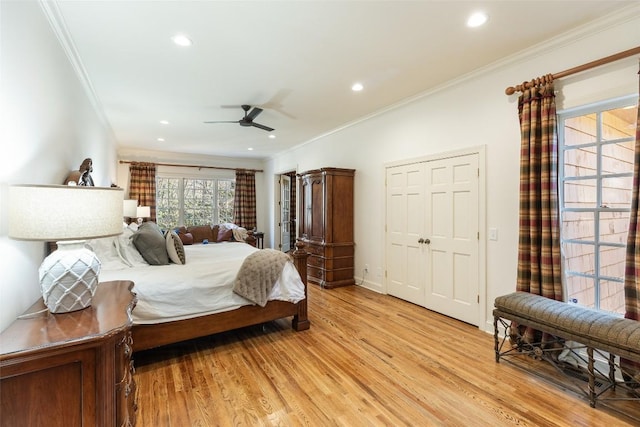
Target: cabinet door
<point>51,390</point>
<point>313,207</point>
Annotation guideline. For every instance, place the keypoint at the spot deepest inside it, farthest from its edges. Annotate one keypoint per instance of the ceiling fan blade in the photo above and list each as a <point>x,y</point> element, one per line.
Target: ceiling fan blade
<point>218,121</point>
<point>254,113</point>
<point>263,127</point>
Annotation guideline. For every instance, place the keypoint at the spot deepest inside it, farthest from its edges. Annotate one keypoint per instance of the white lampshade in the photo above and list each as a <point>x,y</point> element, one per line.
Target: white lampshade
<point>61,212</point>
<point>129,208</point>
<point>67,215</point>
<point>143,212</point>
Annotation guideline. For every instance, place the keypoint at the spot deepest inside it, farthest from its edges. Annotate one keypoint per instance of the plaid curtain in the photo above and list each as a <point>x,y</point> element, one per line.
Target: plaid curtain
<point>142,185</point>
<point>539,230</point>
<point>244,203</point>
<point>632,264</point>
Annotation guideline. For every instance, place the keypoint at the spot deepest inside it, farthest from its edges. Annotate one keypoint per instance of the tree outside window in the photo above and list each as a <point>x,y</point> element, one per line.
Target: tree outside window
<point>193,201</point>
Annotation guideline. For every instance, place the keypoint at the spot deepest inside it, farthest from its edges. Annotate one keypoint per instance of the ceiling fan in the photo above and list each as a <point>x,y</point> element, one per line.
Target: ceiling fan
<point>248,118</point>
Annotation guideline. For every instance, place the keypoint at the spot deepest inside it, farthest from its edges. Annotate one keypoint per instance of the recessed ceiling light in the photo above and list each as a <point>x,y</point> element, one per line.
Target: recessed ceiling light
<point>181,40</point>
<point>164,122</point>
<point>477,19</point>
<point>160,139</point>
<point>357,87</point>
<point>250,149</point>
<point>272,136</point>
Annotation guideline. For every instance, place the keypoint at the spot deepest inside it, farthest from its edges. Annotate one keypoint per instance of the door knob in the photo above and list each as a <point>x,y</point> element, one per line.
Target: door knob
<point>421,240</point>
<point>427,241</point>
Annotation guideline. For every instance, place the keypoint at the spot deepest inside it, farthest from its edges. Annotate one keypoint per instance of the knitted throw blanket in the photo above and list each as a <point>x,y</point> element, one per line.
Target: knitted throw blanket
<point>258,273</point>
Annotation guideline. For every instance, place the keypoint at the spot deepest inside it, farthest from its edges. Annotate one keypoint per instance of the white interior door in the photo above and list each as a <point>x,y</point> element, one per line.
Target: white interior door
<point>405,210</point>
<point>452,233</point>
<point>285,213</point>
<point>432,244</point>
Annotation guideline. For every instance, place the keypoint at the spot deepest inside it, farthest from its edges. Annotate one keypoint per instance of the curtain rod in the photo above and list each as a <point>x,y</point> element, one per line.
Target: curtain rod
<point>198,166</point>
<point>620,55</point>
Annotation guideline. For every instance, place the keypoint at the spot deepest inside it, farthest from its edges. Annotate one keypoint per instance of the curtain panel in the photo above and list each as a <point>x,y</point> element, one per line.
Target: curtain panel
<point>539,235</point>
<point>632,262</point>
<point>539,228</point>
<point>244,203</point>
<point>142,185</point>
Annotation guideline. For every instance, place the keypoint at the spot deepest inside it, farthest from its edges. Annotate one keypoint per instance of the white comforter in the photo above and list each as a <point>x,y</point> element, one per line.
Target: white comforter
<point>202,286</point>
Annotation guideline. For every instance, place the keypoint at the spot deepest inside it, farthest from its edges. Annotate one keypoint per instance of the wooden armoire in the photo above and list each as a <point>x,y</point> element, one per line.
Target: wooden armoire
<point>326,225</point>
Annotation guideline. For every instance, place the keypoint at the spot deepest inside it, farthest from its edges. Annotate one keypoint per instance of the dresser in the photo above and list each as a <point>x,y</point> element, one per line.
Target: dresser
<point>71,369</point>
<point>326,225</point>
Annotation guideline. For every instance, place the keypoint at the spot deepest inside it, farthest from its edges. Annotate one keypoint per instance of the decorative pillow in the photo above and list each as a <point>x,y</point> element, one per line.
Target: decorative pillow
<point>151,244</point>
<point>200,233</point>
<point>175,248</point>
<point>186,238</point>
<point>225,235</point>
<point>127,250</point>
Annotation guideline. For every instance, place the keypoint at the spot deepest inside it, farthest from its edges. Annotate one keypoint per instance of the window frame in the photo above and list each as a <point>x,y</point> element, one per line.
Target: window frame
<point>597,108</point>
<point>216,177</point>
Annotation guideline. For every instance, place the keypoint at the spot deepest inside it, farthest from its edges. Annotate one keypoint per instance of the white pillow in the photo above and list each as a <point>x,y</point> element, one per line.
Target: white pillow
<point>106,251</point>
<point>127,250</point>
<point>227,226</point>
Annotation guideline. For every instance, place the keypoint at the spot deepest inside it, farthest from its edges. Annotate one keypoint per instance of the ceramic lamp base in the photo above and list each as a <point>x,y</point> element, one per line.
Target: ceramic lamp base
<point>69,277</point>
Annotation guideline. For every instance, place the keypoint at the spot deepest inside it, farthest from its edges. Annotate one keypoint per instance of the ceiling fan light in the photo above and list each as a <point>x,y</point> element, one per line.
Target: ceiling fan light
<point>182,40</point>
<point>477,19</point>
<point>272,136</point>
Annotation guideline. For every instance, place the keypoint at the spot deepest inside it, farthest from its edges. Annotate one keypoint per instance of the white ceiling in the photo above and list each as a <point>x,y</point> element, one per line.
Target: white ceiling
<point>295,59</point>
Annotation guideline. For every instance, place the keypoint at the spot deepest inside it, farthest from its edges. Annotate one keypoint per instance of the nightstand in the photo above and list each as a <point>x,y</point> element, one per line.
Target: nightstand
<point>71,369</point>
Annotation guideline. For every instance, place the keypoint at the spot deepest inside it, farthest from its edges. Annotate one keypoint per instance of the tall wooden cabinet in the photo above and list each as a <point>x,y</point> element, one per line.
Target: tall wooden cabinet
<point>326,225</point>
<point>71,369</point>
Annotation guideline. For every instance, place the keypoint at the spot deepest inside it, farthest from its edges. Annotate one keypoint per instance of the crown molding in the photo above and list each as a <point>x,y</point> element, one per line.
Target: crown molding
<point>56,21</point>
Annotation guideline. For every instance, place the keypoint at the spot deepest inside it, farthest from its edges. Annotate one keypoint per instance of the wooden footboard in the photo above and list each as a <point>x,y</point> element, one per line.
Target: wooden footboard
<point>150,336</point>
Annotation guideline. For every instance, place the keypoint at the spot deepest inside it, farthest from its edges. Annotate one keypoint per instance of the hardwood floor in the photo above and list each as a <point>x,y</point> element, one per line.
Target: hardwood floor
<point>368,360</point>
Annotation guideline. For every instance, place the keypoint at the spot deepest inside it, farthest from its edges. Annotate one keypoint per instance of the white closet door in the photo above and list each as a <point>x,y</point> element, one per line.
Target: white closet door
<point>451,230</point>
<point>405,225</point>
<point>432,225</point>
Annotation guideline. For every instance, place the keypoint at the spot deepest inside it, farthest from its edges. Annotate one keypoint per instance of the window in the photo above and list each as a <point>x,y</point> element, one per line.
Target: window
<point>596,176</point>
<point>193,201</point>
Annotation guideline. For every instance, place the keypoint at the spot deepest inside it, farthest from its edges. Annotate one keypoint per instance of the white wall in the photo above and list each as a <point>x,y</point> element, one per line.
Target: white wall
<point>470,112</point>
<point>48,126</point>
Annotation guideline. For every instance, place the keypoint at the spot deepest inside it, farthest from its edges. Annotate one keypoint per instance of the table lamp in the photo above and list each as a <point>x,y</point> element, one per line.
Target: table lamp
<point>68,215</point>
<point>143,212</point>
<point>129,208</point>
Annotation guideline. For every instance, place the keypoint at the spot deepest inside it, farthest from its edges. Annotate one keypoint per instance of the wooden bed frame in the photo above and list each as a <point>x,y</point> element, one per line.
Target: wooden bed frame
<point>150,336</point>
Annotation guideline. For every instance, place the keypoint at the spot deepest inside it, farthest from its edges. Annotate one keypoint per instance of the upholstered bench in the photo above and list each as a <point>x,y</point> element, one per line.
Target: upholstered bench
<point>595,330</point>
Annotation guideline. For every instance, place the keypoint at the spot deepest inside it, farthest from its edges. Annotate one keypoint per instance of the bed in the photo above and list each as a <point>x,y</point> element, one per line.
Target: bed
<point>184,300</point>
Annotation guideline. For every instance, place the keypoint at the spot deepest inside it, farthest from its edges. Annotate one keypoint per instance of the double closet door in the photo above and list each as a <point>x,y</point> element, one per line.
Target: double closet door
<point>432,235</point>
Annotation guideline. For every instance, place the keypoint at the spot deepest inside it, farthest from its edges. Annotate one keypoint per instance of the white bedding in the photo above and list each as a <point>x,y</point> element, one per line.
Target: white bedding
<point>202,286</point>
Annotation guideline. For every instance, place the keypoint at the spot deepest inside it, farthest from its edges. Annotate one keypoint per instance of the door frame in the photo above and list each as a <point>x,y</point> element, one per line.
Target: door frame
<point>480,150</point>
<point>277,239</point>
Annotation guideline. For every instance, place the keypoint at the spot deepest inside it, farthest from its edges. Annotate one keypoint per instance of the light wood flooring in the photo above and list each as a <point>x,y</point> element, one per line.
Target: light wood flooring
<point>368,360</point>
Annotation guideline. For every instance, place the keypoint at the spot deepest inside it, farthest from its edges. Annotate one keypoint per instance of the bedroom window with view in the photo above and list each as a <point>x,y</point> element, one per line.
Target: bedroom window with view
<point>596,175</point>
<point>193,201</point>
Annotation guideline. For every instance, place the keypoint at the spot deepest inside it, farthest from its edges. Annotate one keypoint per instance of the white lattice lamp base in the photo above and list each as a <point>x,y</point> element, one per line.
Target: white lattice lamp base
<point>69,277</point>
